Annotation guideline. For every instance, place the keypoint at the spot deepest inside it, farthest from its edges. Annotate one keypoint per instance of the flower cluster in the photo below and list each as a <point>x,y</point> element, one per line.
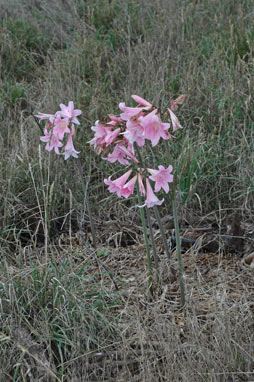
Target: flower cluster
<point>116,139</point>
<point>59,125</point>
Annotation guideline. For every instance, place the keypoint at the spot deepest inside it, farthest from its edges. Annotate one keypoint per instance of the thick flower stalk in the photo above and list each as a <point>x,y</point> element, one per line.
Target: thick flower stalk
<point>120,139</point>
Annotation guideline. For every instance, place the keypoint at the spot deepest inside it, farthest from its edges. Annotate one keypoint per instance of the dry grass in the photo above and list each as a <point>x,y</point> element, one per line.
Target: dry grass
<point>68,313</point>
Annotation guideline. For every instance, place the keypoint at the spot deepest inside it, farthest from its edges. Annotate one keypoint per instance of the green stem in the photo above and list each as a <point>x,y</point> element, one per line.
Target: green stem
<point>164,239</point>
<point>148,255</point>
<point>155,257</point>
<point>178,248</point>
<point>156,261</point>
<point>37,122</point>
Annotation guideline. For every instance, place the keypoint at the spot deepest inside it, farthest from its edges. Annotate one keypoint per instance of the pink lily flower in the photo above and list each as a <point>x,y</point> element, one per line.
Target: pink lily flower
<point>117,185</point>
<point>101,132</point>
<point>141,185</point>
<point>129,187</point>
<point>151,198</point>
<point>142,102</point>
<point>117,155</point>
<point>114,118</point>
<point>69,149</point>
<point>135,132</point>
<point>122,154</point>
<point>69,112</point>
<point>128,151</point>
<point>175,121</point>
<point>42,116</point>
<point>111,136</point>
<point>154,128</point>
<point>161,177</point>
<point>129,112</point>
<point>60,127</point>
<point>52,140</point>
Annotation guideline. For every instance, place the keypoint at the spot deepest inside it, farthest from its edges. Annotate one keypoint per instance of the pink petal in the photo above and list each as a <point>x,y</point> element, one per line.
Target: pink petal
<point>141,101</point>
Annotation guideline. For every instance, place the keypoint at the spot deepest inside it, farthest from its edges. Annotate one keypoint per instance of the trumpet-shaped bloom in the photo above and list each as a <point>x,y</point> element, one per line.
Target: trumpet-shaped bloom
<point>111,136</point>
<point>154,128</point>
<point>128,151</point>
<point>43,116</point>
<point>161,177</point>
<point>129,112</point>
<point>141,185</point>
<point>101,132</point>
<point>129,187</point>
<point>135,132</point>
<point>151,198</point>
<point>118,184</point>
<point>60,127</point>
<point>53,141</point>
<point>117,155</point>
<point>114,118</point>
<point>142,102</point>
<point>70,113</point>
<point>175,122</point>
<point>69,149</point>
<point>122,154</point>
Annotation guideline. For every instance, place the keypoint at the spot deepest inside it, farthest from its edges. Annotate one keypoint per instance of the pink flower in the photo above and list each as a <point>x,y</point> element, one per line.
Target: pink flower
<point>118,155</point>
<point>122,154</point>
<point>128,151</point>
<point>173,105</point>
<point>135,132</point>
<point>154,128</point>
<point>114,118</point>
<point>52,140</point>
<point>129,112</point>
<point>69,149</point>
<point>111,136</point>
<point>161,177</point>
<point>69,112</point>
<point>129,187</point>
<point>42,116</point>
<point>101,132</point>
<point>118,184</point>
<point>151,198</point>
<point>175,121</point>
<point>141,185</point>
<point>178,101</point>
<point>60,127</point>
<point>142,102</point>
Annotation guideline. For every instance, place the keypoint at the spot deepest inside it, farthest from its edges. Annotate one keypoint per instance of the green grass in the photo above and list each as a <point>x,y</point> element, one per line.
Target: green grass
<point>97,53</point>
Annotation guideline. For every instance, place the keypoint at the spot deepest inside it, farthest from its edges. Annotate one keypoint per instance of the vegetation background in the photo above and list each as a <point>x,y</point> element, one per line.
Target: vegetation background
<point>61,319</point>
